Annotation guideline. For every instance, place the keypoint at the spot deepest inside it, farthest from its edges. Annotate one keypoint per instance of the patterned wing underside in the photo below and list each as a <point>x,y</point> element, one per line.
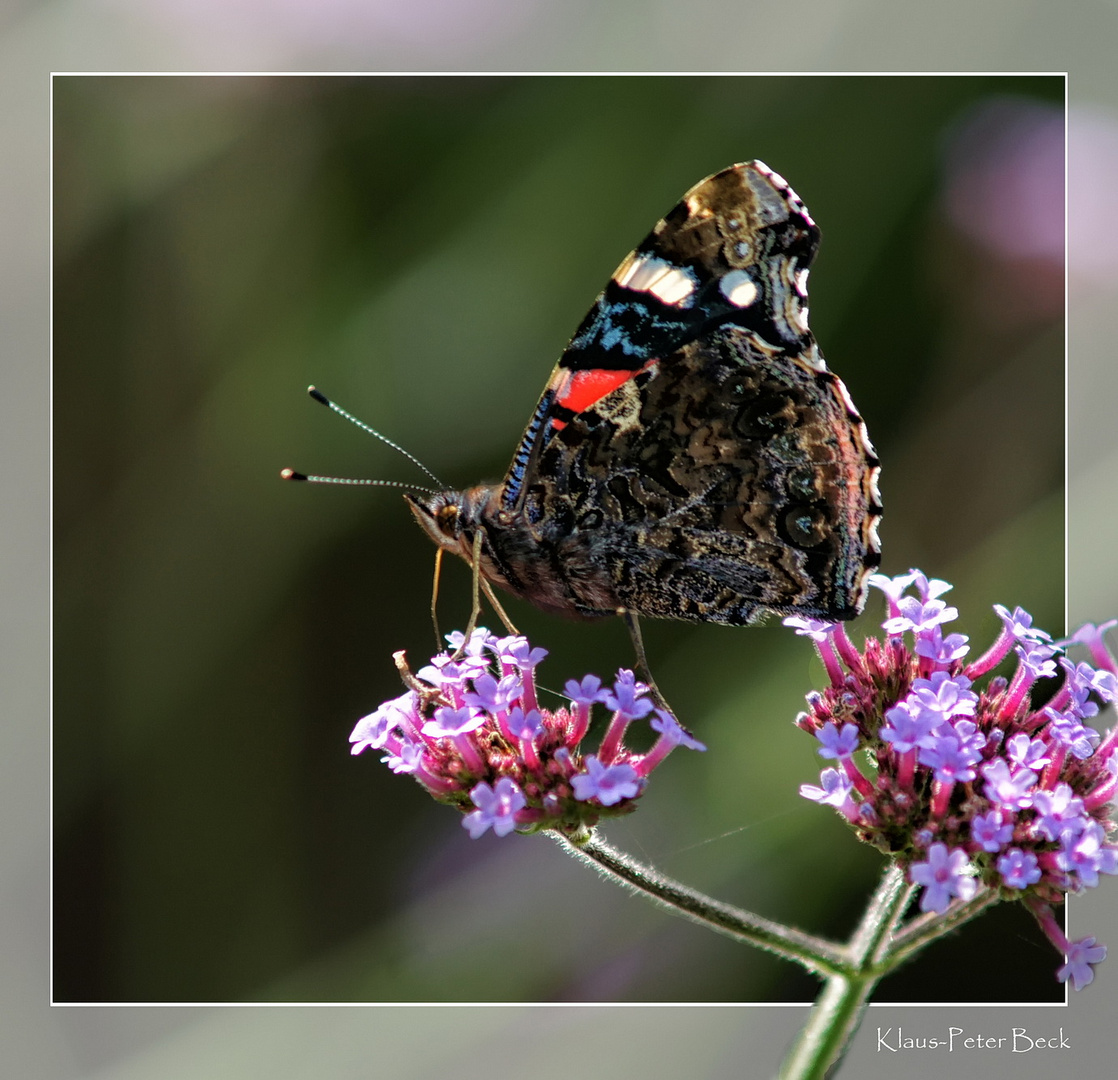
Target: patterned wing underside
<point>720,483</point>
<point>734,250</point>
<point>691,456</point>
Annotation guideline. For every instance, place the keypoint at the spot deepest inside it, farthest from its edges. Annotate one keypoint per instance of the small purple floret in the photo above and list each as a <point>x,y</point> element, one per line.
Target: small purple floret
<point>1019,869</point>
<point>837,744</point>
<point>944,875</point>
<point>991,831</point>
<point>608,784</point>
<point>628,696</point>
<point>1082,957</point>
<point>587,692</point>
<point>497,807</point>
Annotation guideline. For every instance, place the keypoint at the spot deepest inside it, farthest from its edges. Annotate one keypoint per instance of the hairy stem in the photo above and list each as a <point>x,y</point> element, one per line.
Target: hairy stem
<point>814,953</point>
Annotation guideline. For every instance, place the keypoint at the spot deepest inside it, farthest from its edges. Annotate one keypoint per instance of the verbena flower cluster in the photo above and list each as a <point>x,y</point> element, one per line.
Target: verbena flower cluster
<point>969,784</point>
<point>471,730</point>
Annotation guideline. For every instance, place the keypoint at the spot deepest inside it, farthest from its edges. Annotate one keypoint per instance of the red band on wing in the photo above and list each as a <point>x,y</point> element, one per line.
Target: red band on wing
<point>578,390</point>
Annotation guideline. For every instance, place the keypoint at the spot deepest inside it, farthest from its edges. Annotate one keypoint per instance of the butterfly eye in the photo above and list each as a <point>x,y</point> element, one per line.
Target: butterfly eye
<point>448,518</point>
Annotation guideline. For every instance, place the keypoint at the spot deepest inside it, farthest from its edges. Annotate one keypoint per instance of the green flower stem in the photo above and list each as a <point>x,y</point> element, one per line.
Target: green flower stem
<point>818,955</point>
<point>925,929</point>
<point>850,972</point>
<point>838,1010</point>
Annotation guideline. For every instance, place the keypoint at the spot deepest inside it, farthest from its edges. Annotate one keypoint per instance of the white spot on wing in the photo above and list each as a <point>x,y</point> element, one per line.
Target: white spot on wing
<point>801,317</point>
<point>668,283</point>
<point>738,287</point>
<point>674,287</point>
<point>801,281</point>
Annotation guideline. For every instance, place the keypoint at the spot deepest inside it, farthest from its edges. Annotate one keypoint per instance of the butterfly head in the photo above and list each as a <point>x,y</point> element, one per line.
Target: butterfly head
<point>451,518</point>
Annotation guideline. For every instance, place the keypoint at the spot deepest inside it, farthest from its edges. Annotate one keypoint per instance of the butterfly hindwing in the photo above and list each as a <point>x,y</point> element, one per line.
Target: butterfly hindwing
<point>711,488</point>
<point>691,456</point>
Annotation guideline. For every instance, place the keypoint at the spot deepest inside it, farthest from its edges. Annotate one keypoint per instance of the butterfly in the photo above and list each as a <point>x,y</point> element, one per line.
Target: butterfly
<point>691,457</point>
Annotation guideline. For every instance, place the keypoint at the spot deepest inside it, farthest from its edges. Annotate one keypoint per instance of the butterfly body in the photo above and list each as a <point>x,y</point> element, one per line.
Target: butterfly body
<point>691,456</point>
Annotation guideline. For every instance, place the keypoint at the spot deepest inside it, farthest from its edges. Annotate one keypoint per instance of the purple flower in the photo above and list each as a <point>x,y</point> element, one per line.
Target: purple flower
<point>907,732</point>
<point>1019,869</point>
<point>609,784</point>
<point>587,692</point>
<point>953,756</point>
<point>952,767</point>
<point>892,587</point>
<point>1082,956</point>
<point>816,629</point>
<point>991,831</point>
<point>493,695</point>
<point>944,874</point>
<point>837,791</point>
<point>1068,732</point>
<point>479,639</point>
<point>517,652</point>
<point>373,730</point>
<point>442,671</point>
<point>497,807</point>
<point>1036,659</point>
<point>895,586</point>
<point>1092,636</point>
<point>671,729</point>
<point>408,758</point>
<point>449,722</point>
<point>1027,753</point>
<point>939,649</point>
<point>835,743</point>
<point>525,726</point>
<point>929,588</point>
<point>1081,682</point>
<point>1019,624</point>
<point>627,696</point>
<point>1056,810</point>
<point>1085,855</point>
<point>919,616</point>
<point>476,738</point>
<point>1013,791</point>
<point>1104,683</point>
<point>945,695</point>
<point>1089,634</point>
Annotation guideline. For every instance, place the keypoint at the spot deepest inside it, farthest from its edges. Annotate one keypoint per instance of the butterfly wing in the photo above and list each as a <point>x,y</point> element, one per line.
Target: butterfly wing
<point>692,457</point>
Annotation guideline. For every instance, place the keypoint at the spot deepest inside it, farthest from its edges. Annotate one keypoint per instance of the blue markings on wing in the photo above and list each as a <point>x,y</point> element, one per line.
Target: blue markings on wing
<point>633,327</point>
<point>514,481</point>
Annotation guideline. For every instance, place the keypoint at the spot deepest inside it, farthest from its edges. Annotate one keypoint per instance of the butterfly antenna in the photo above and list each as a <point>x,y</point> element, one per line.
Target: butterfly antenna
<point>291,474</point>
<point>322,399</point>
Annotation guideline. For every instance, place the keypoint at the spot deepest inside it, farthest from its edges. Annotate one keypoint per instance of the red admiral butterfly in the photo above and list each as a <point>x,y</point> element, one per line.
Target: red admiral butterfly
<point>691,457</point>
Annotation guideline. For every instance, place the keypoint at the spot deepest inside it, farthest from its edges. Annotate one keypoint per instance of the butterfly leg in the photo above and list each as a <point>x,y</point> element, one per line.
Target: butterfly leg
<point>479,585</point>
<point>633,624</point>
<point>492,598</point>
<point>475,606</point>
<point>435,599</point>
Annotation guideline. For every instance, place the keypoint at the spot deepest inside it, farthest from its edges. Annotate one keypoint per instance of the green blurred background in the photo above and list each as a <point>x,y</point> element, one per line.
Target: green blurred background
<point>421,249</point>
